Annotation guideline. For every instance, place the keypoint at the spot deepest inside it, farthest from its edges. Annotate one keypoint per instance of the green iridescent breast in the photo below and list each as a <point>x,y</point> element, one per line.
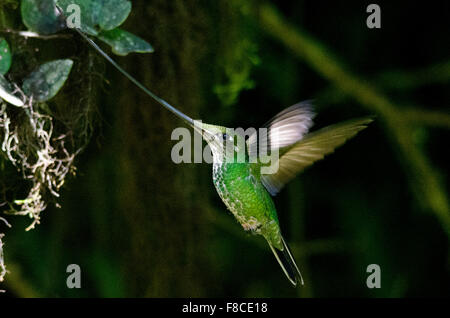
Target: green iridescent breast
<point>248,200</point>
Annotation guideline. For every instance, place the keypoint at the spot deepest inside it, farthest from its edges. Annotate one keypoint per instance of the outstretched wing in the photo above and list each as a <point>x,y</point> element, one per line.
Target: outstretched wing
<point>286,128</point>
<point>313,147</point>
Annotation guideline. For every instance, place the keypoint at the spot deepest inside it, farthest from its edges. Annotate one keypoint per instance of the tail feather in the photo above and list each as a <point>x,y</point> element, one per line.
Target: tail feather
<point>287,263</point>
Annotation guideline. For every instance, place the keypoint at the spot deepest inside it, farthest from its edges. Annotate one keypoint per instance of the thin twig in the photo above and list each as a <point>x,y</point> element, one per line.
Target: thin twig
<point>30,34</point>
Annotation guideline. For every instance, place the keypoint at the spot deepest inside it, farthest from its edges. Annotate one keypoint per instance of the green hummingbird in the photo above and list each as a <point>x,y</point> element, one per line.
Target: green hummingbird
<point>241,184</point>
<point>246,191</point>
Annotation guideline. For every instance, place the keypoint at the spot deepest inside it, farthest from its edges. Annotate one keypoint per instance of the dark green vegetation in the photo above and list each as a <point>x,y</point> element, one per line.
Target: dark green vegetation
<point>139,225</point>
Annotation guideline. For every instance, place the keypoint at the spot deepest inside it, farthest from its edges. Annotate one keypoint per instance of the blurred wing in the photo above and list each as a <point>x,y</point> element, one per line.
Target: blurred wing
<point>310,149</point>
<point>286,128</point>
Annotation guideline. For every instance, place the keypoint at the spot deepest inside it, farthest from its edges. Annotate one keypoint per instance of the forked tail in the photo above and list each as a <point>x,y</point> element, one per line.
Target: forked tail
<point>287,263</point>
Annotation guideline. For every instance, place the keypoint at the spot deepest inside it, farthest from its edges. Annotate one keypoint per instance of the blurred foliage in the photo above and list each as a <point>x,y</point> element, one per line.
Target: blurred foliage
<point>138,225</point>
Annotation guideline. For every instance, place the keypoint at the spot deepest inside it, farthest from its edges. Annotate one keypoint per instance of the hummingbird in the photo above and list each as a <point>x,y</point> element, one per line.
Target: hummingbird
<point>244,189</point>
<point>247,192</point>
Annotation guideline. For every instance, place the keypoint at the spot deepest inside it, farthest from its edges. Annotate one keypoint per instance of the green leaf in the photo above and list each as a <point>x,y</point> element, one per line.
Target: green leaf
<point>123,42</point>
<point>113,13</point>
<point>6,92</point>
<point>5,56</point>
<point>41,16</point>
<point>45,82</point>
<point>97,15</point>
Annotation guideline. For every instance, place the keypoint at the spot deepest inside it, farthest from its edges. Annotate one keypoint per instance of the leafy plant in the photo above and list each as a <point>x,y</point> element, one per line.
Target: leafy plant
<point>99,18</point>
<point>34,137</point>
<point>29,144</point>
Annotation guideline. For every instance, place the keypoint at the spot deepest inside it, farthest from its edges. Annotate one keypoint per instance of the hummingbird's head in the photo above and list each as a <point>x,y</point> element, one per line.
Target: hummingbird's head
<point>225,143</point>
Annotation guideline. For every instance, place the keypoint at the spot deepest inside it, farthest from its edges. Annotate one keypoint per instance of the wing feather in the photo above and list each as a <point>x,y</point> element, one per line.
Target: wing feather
<point>284,129</point>
<point>313,147</point>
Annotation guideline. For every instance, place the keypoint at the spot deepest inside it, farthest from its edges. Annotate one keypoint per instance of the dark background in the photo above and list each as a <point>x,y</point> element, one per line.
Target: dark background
<point>141,226</point>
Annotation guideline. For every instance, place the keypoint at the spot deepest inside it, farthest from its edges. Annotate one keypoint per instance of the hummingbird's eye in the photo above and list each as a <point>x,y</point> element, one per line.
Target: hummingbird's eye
<point>224,136</point>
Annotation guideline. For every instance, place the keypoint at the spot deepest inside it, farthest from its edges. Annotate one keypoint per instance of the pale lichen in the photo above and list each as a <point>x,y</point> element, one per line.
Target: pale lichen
<point>28,143</point>
<point>41,158</point>
<point>2,261</point>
